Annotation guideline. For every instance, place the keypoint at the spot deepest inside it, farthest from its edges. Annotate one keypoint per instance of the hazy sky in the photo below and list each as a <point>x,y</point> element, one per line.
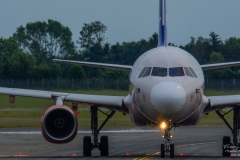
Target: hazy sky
<point>127,20</point>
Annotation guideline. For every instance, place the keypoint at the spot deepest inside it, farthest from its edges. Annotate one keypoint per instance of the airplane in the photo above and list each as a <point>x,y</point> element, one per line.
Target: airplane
<point>166,90</point>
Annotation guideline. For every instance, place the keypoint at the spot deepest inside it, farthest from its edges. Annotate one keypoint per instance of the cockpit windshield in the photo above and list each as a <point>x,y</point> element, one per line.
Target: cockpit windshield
<point>144,69</point>
<point>160,72</point>
<point>188,72</point>
<point>164,72</point>
<point>194,74</point>
<point>147,72</point>
<point>175,72</point>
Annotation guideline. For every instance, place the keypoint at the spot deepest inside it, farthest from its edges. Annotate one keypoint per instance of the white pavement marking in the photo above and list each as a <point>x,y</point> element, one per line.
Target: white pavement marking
<point>150,156</point>
<point>110,131</point>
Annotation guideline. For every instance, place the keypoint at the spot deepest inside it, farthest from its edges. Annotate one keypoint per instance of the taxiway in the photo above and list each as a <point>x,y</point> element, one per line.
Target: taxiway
<point>203,142</point>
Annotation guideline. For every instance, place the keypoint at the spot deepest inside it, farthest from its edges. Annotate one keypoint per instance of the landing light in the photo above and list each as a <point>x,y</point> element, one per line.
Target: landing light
<point>163,125</point>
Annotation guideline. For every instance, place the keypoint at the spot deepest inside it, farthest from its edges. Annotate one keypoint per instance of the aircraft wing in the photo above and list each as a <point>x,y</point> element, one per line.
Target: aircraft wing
<point>111,102</point>
<point>219,102</point>
<point>219,65</point>
<point>101,65</point>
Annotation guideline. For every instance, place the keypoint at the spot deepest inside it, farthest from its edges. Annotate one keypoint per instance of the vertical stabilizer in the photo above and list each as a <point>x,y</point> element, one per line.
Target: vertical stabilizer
<point>162,33</point>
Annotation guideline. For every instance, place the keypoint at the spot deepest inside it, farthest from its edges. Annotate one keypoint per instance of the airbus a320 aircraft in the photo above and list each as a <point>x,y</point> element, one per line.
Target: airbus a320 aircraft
<point>167,85</point>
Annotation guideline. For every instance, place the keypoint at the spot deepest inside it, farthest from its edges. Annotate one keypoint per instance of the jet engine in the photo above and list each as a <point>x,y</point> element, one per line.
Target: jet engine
<point>59,124</point>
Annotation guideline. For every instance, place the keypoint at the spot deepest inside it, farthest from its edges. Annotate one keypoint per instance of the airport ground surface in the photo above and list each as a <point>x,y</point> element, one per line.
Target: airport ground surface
<point>201,142</point>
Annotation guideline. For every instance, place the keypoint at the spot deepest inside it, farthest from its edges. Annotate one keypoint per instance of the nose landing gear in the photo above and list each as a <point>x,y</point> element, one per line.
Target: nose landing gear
<point>167,147</point>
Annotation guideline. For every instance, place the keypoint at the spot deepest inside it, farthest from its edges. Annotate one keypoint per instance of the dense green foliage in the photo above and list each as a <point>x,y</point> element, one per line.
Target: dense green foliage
<point>29,52</point>
<point>46,40</point>
<point>76,72</point>
<point>214,50</point>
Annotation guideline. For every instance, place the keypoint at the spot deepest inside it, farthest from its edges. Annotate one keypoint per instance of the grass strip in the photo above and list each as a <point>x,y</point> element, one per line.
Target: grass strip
<point>26,112</point>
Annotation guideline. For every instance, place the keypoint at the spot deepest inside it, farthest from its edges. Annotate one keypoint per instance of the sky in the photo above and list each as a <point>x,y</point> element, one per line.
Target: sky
<point>127,20</point>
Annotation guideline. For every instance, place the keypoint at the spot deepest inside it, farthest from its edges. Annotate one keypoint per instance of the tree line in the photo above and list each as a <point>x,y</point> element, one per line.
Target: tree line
<point>28,53</point>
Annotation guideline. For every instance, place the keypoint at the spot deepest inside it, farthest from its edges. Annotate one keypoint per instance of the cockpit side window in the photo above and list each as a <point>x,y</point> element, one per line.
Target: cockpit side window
<point>147,72</point>
<point>192,72</point>
<point>188,72</point>
<point>175,72</point>
<point>160,72</point>
<point>143,70</point>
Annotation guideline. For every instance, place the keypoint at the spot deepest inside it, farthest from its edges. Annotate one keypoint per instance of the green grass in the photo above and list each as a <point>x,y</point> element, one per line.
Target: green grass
<point>27,112</point>
<point>219,93</point>
<point>213,119</point>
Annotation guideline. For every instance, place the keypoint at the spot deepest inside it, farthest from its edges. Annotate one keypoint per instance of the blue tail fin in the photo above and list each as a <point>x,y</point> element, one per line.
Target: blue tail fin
<point>162,33</point>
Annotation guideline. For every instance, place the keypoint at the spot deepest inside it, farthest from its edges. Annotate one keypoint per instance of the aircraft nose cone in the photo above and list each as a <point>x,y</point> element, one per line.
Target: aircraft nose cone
<point>168,97</point>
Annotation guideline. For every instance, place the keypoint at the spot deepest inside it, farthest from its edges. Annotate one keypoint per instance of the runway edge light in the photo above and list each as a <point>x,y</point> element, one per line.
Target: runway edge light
<point>74,155</point>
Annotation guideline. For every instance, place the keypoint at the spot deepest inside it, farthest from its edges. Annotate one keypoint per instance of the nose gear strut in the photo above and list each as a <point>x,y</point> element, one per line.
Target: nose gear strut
<point>167,147</point>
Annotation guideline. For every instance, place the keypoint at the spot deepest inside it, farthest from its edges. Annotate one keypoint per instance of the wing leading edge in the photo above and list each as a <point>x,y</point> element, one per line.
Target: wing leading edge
<point>128,67</point>
<point>101,65</point>
<point>219,65</point>
<point>219,102</point>
<point>112,102</point>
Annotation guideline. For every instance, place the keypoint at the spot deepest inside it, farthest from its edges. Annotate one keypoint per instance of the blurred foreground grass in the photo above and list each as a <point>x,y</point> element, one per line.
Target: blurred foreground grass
<point>27,112</point>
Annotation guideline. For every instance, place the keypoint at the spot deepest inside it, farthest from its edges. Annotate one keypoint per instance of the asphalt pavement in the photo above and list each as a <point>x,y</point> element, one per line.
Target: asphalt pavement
<point>193,142</point>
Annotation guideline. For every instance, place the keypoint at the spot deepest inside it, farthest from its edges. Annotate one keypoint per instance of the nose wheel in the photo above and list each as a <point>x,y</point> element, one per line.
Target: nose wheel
<point>167,147</point>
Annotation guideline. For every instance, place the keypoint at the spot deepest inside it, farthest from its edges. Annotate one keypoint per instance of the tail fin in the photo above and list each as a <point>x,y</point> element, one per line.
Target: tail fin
<point>162,34</point>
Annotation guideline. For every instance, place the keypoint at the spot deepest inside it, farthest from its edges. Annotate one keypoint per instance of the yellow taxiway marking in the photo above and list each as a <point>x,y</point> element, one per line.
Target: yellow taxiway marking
<point>149,156</point>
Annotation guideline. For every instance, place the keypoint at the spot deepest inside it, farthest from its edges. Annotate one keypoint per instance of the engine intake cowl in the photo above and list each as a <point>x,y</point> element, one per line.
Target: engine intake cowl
<point>59,124</point>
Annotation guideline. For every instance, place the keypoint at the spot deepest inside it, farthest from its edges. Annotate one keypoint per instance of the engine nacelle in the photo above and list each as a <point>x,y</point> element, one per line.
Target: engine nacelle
<point>59,124</point>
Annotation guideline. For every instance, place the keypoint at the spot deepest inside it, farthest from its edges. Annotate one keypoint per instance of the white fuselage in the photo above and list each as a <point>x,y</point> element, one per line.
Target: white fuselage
<point>167,84</point>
